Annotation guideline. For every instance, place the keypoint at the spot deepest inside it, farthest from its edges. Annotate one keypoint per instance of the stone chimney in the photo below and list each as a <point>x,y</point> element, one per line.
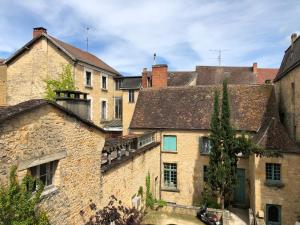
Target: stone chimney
<point>160,75</point>
<point>74,101</point>
<point>293,38</point>
<point>145,78</point>
<point>255,68</point>
<point>37,31</point>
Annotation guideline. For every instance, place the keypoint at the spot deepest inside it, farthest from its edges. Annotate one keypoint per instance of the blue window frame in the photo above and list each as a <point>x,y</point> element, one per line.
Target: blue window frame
<point>273,172</point>
<point>170,143</point>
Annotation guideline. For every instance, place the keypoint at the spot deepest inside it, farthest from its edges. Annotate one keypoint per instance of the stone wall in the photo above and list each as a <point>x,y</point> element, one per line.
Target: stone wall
<point>2,85</point>
<point>47,131</point>
<point>289,106</point>
<point>287,196</point>
<point>124,180</point>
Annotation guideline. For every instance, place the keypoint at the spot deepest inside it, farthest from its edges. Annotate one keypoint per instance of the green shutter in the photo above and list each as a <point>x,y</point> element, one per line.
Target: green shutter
<point>169,143</point>
<point>200,144</point>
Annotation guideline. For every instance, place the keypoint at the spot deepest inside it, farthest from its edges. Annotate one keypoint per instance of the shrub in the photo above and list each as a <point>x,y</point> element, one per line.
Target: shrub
<point>208,198</point>
<point>18,202</point>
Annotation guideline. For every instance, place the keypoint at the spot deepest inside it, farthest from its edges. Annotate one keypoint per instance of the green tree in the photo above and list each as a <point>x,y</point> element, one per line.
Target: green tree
<point>18,201</point>
<point>226,146</point>
<point>65,82</point>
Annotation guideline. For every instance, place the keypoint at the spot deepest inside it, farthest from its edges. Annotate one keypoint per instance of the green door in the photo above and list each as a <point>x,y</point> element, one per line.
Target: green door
<point>273,214</point>
<point>240,188</point>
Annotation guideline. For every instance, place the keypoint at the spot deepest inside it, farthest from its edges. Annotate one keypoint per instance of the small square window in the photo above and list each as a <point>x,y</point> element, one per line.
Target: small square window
<point>205,145</point>
<point>88,78</point>
<point>104,82</point>
<point>170,143</point>
<point>170,175</point>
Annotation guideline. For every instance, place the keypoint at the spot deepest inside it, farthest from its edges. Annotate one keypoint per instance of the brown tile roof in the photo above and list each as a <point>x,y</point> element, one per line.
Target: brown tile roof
<point>181,78</point>
<point>272,135</point>
<point>74,53</point>
<point>209,75</point>
<point>85,56</point>
<point>10,112</point>
<point>190,108</point>
<point>264,74</point>
<point>291,59</point>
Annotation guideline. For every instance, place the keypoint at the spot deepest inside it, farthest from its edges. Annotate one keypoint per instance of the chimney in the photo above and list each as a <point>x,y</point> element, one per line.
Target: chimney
<point>37,31</point>
<point>145,78</point>
<point>255,68</point>
<point>293,38</point>
<point>160,75</point>
<point>74,101</point>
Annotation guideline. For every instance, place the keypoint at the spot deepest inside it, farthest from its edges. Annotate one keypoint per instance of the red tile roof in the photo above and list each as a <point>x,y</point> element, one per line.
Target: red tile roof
<point>264,74</point>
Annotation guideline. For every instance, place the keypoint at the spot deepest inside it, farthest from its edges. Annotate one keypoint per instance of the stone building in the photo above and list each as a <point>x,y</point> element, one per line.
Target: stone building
<point>181,118</point>
<point>43,57</point>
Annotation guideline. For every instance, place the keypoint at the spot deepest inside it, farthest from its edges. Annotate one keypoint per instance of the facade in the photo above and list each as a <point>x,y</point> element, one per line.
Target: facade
<point>181,118</point>
<point>43,58</point>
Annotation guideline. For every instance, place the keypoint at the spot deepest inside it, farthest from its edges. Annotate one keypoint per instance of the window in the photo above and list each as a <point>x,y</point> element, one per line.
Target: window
<point>88,78</point>
<point>104,82</point>
<point>273,214</point>
<point>170,143</point>
<point>273,172</point>
<point>205,173</point>
<point>267,81</point>
<point>103,110</point>
<point>170,175</point>
<point>145,140</point>
<point>118,84</point>
<point>118,108</point>
<point>205,145</point>
<point>131,96</point>
<point>45,172</point>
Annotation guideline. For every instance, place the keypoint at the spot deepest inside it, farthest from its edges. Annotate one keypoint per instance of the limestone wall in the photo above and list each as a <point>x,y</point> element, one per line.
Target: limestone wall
<point>128,110</point>
<point>46,131</point>
<point>124,180</point>
<point>289,108</point>
<point>288,196</point>
<point>2,85</point>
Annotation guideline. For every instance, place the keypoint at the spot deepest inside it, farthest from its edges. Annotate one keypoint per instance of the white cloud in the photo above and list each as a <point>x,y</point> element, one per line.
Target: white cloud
<point>181,32</point>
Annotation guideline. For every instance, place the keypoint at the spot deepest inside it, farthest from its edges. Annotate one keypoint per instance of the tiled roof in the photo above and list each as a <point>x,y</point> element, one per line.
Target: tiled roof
<point>209,75</point>
<point>264,74</point>
<point>74,53</point>
<point>131,82</point>
<point>190,108</point>
<point>10,112</point>
<point>272,135</point>
<point>112,123</point>
<point>291,59</point>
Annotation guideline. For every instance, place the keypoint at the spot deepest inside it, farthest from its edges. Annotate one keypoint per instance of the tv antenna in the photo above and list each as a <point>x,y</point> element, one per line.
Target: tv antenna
<point>219,51</point>
<point>87,39</point>
<point>154,58</point>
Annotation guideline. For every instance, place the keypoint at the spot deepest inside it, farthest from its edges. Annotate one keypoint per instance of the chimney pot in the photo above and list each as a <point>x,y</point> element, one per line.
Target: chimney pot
<point>293,38</point>
<point>255,67</point>
<point>38,31</point>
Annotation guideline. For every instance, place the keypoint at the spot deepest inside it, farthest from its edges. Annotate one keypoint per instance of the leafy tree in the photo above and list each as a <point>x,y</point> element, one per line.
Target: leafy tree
<point>65,82</point>
<point>225,148</point>
<point>18,202</point>
<point>114,213</point>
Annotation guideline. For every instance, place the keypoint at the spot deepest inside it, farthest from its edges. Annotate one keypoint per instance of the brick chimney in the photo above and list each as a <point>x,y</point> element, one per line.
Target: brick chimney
<point>255,68</point>
<point>37,31</point>
<point>160,75</point>
<point>145,78</point>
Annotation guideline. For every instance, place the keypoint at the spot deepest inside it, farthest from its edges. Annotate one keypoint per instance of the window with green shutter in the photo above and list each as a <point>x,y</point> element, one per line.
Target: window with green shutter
<point>169,143</point>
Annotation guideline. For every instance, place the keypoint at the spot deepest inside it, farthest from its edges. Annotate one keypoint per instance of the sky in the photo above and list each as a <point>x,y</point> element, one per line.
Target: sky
<point>182,33</point>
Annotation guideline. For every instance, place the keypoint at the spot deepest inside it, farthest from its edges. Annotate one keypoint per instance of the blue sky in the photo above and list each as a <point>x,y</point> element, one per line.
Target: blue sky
<point>125,34</point>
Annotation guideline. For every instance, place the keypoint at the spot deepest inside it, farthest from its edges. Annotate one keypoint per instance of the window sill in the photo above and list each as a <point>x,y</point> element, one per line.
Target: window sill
<point>169,189</point>
<point>204,153</point>
<point>131,102</point>
<point>277,184</point>
<point>88,86</point>
<point>165,151</point>
<point>104,89</point>
<point>50,190</point>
